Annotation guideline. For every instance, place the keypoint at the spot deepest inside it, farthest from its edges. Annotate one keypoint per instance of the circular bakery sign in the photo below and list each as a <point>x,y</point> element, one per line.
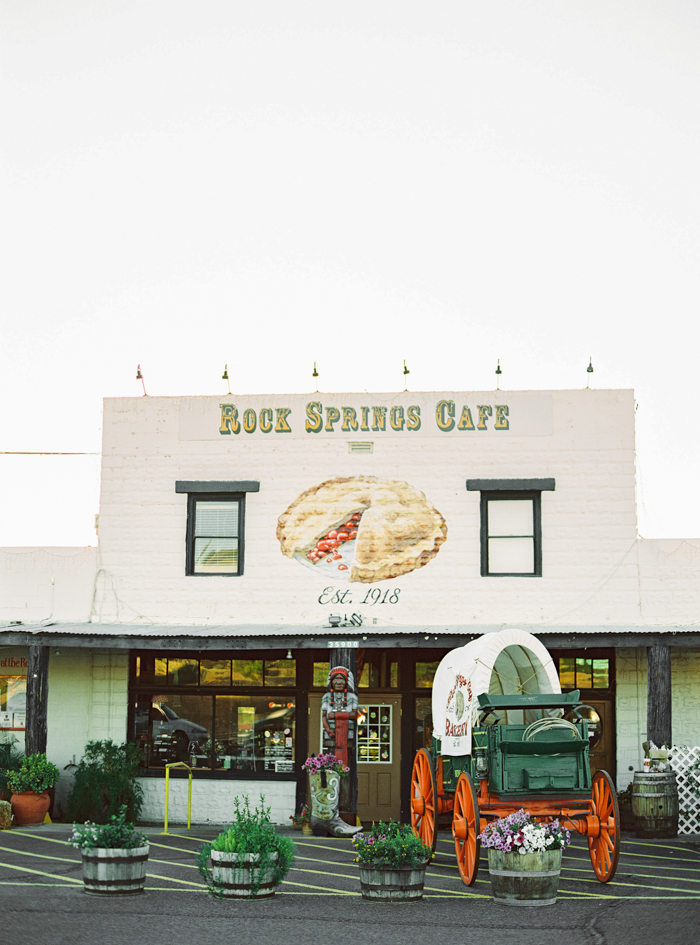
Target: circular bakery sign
<point>361,528</point>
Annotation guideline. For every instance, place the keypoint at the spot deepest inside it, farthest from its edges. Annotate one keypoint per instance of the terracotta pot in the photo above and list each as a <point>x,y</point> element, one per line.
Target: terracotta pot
<point>30,808</point>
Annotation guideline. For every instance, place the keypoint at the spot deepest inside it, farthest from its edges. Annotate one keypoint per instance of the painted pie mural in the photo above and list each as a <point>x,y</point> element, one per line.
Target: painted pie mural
<point>361,528</point>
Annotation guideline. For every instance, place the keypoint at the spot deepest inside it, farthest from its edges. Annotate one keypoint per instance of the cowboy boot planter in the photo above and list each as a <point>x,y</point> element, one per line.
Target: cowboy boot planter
<point>325,794</point>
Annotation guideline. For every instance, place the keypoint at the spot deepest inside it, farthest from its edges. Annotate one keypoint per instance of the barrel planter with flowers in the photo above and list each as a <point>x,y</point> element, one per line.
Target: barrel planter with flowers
<point>392,862</point>
<point>524,859</point>
<point>115,856</point>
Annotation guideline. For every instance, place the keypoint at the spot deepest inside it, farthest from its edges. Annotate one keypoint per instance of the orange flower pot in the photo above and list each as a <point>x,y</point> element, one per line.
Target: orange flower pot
<point>30,808</point>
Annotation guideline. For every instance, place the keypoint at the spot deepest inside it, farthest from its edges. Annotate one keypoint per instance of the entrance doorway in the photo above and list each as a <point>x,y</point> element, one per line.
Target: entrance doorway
<point>378,752</point>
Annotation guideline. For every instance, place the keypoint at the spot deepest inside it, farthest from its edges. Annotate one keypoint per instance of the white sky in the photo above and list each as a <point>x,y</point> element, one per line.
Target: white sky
<point>269,184</point>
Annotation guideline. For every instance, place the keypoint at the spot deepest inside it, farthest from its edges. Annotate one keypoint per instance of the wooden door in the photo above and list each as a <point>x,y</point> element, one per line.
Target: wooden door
<point>601,734</point>
<point>379,757</point>
<point>378,751</point>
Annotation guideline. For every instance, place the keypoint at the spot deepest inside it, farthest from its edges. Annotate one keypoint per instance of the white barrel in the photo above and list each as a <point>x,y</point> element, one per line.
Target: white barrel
<point>115,871</point>
<point>235,875</point>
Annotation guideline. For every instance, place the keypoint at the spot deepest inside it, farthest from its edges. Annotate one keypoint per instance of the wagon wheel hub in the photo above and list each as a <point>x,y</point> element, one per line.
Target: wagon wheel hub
<point>418,806</point>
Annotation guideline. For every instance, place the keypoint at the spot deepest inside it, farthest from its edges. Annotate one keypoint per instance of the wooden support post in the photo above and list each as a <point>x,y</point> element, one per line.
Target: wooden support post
<point>659,694</point>
<point>347,657</point>
<point>37,698</point>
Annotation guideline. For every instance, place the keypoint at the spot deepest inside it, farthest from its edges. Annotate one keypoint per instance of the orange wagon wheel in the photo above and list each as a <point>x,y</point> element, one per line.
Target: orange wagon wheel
<point>424,799</point>
<point>466,827</point>
<point>605,848</point>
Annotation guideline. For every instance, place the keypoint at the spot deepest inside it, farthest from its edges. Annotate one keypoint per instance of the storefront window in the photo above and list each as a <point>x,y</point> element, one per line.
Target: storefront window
<point>321,674</point>
<point>238,733</point>
<point>209,725</point>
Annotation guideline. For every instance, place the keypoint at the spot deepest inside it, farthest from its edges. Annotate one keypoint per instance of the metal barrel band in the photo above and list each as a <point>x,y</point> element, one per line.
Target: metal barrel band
<point>494,872</point>
<point>115,859</point>
<point>116,892</point>
<point>527,903</point>
<point>390,886</point>
<point>222,885</point>
<point>134,881</point>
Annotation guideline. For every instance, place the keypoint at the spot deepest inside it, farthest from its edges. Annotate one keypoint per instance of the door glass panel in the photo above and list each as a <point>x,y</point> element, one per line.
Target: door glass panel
<point>374,734</point>
<point>601,674</point>
<point>584,673</point>
<point>567,672</point>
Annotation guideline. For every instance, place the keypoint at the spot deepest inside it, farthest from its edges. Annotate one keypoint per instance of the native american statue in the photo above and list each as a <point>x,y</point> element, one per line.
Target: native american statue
<point>339,708</point>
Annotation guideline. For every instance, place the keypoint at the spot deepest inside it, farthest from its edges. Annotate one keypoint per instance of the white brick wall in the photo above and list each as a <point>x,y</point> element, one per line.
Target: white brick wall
<point>631,705</point>
<point>212,801</point>
<point>88,691</point>
<point>591,574</point>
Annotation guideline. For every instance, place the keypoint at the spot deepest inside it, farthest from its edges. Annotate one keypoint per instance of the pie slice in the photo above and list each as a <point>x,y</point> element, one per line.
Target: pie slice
<point>394,527</point>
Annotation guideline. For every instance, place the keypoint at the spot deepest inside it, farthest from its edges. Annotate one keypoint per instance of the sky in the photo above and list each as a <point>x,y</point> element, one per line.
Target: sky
<point>271,184</point>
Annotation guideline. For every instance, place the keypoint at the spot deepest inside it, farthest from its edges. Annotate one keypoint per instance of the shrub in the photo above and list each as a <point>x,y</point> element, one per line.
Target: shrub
<point>105,780</point>
<point>250,832</point>
<point>118,834</point>
<point>35,773</point>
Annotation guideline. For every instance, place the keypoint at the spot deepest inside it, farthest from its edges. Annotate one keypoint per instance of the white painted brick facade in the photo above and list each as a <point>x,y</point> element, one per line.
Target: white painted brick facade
<point>212,801</point>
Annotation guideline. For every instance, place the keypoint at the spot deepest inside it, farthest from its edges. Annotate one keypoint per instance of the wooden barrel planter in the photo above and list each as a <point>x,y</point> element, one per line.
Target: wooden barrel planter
<point>655,804</point>
<point>237,876</point>
<point>525,879</point>
<point>392,884</point>
<point>115,871</point>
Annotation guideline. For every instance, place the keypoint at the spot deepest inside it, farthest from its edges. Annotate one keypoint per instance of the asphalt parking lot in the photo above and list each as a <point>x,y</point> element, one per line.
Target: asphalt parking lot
<point>655,894</point>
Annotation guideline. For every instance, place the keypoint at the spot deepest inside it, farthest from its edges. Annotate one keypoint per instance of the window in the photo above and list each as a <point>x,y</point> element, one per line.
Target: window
<point>214,534</point>
<point>226,715</point>
<point>584,672</point>
<point>511,525</point>
<point>215,520</point>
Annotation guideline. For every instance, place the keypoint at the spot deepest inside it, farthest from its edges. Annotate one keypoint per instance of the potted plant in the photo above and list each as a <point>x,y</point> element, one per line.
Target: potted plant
<point>524,859</point>
<point>30,785</point>
<point>114,855</point>
<point>302,820</point>
<point>325,771</point>
<point>250,859</point>
<point>392,861</point>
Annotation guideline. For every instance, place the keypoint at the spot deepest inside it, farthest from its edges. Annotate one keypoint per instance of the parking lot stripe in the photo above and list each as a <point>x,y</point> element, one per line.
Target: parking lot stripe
<point>42,856</point>
<point>26,869</point>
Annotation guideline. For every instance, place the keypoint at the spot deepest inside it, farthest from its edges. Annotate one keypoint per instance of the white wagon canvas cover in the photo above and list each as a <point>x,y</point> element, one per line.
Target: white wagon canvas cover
<point>502,663</point>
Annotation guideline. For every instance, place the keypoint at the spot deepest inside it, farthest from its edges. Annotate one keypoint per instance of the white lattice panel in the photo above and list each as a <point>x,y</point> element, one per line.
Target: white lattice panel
<point>682,760</point>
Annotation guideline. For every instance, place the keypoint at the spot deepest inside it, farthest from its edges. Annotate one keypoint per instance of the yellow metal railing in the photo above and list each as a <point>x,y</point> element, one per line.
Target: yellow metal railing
<point>177,764</point>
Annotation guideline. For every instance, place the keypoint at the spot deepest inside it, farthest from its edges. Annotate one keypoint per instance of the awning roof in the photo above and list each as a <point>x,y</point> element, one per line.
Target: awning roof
<point>248,636</point>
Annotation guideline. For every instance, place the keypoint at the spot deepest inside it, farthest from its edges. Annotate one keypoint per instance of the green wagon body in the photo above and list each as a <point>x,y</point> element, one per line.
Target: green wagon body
<point>555,763</point>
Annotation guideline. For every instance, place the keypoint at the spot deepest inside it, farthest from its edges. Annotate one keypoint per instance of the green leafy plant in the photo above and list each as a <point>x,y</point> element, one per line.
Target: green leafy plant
<point>390,845</point>
<point>251,832</point>
<point>105,780</point>
<point>35,773</point>
<point>119,833</point>
<point>10,760</point>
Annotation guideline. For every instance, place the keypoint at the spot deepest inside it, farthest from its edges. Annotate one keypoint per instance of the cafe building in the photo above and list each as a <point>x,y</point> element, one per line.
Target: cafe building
<point>246,544</point>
